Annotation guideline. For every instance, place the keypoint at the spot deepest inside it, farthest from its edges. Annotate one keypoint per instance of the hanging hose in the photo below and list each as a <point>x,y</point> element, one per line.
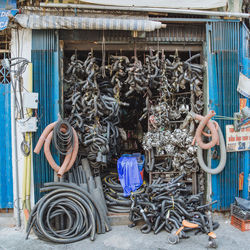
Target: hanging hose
<point>223,157</point>
<point>205,121</point>
<point>81,215</point>
<point>65,140</point>
<point>217,138</point>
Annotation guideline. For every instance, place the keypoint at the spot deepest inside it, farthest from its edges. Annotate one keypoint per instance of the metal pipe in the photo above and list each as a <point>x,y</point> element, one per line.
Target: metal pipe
<point>27,158</point>
<point>189,20</point>
<point>16,157</point>
<point>145,9</point>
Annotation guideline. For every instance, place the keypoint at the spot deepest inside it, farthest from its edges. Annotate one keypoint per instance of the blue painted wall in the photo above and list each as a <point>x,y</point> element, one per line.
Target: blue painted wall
<point>6,180</point>
<point>245,69</point>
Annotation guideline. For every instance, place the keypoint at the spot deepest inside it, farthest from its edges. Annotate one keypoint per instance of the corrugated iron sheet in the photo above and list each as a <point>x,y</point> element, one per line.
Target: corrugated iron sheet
<point>245,69</point>
<point>178,33</point>
<point>224,48</point>
<point>173,33</point>
<point>44,57</point>
<point>6,180</point>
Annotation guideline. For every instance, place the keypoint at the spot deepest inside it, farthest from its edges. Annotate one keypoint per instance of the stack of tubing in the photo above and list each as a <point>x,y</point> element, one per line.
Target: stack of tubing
<point>69,159</point>
<point>217,139</point>
<point>66,214</point>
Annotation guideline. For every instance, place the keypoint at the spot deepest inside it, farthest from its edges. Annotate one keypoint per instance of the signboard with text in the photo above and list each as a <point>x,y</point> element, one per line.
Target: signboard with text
<point>237,141</point>
<point>4,17</point>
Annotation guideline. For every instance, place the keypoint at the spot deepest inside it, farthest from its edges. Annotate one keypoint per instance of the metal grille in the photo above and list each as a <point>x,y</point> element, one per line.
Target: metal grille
<point>4,50</point>
<point>4,75</point>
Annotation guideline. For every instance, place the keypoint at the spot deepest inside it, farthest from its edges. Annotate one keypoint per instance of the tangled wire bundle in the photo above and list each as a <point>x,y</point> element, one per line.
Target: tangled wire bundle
<point>66,214</point>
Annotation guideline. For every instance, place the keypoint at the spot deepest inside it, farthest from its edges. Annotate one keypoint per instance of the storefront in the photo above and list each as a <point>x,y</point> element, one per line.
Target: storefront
<point>55,44</point>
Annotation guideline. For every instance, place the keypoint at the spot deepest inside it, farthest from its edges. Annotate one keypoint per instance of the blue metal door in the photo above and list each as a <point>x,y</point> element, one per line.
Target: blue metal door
<point>224,57</point>
<point>44,57</point>
<point>6,181</point>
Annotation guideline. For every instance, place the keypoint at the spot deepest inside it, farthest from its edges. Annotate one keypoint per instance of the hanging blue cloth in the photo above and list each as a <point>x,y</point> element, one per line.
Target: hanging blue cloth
<point>129,174</point>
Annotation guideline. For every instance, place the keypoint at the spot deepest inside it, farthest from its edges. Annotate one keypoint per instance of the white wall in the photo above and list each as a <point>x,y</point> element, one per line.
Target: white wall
<point>21,40</point>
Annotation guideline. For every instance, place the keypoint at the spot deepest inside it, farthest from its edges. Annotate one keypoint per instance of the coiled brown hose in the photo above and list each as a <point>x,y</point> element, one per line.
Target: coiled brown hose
<point>69,159</point>
<point>205,121</point>
<point>217,138</point>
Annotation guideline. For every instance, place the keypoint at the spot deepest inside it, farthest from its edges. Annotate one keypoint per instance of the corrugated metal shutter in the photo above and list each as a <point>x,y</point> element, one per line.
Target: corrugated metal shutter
<point>245,69</point>
<point>245,51</point>
<point>6,181</point>
<point>173,33</point>
<point>44,57</point>
<point>223,48</point>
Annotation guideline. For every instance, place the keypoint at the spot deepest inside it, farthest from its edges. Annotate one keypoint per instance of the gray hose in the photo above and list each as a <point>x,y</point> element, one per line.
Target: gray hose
<point>65,199</point>
<point>223,157</point>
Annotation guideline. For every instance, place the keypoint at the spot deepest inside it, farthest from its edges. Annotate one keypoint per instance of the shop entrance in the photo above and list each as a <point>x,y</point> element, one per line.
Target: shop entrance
<point>134,98</point>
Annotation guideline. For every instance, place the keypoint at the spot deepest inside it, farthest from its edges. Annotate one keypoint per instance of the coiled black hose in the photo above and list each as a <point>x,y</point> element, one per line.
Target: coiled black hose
<point>64,200</point>
<point>115,200</point>
<point>63,138</point>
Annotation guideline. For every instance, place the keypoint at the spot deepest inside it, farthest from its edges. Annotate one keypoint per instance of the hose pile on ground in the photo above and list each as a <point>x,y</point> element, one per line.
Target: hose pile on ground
<point>66,214</point>
<point>81,175</point>
<point>115,200</point>
<point>66,142</point>
<point>166,205</point>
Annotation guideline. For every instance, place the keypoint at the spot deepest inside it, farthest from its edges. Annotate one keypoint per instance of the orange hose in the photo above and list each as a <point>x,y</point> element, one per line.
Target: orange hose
<point>43,137</point>
<point>205,121</point>
<point>69,159</point>
<point>49,156</point>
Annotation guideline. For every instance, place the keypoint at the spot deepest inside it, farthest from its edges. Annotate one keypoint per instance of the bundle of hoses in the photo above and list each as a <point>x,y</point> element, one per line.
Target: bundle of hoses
<point>82,176</point>
<point>217,138</point>
<point>115,199</point>
<point>166,205</point>
<point>66,142</point>
<point>66,214</point>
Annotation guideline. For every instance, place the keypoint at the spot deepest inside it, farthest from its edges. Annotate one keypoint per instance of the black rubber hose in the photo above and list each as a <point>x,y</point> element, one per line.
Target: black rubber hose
<point>63,141</point>
<point>57,202</point>
<point>159,228</point>
<point>55,185</point>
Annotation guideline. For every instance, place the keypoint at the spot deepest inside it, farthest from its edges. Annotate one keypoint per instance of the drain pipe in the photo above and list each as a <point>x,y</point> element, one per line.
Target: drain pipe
<point>145,9</point>
<point>16,157</point>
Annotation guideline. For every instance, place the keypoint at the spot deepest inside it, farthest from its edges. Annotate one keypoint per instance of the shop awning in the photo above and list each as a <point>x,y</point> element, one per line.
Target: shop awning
<point>86,23</point>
